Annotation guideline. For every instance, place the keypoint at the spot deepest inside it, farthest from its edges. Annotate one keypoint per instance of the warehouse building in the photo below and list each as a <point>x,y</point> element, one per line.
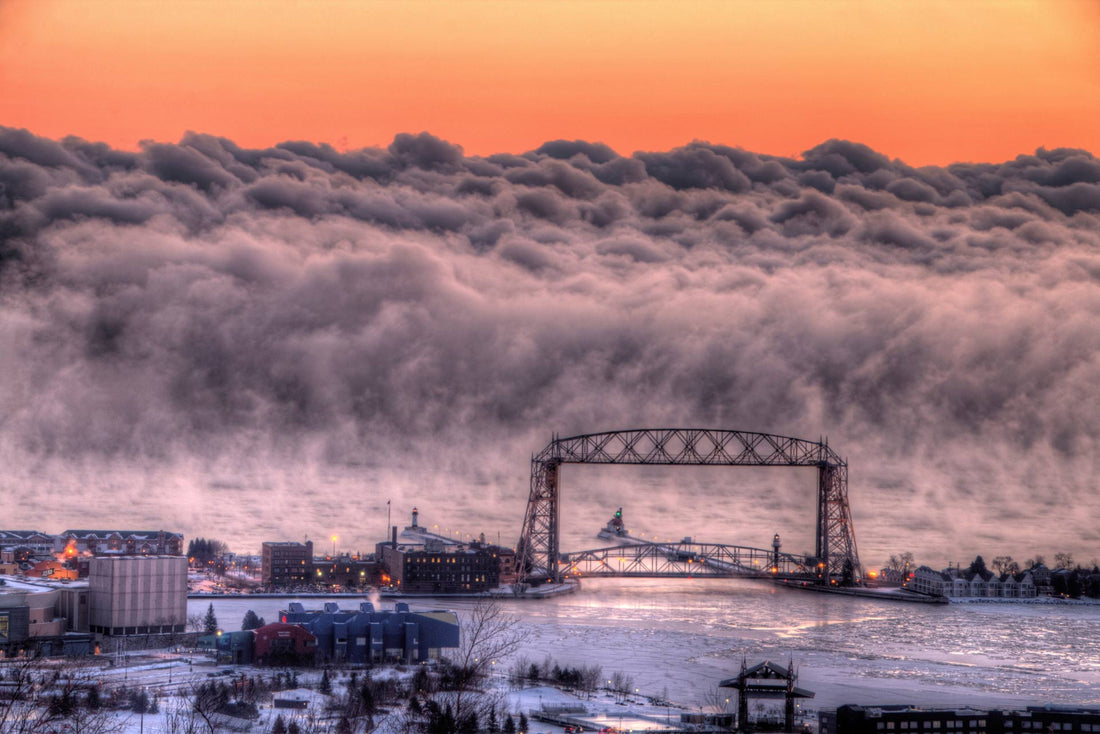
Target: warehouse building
<point>365,635</point>
<point>138,595</point>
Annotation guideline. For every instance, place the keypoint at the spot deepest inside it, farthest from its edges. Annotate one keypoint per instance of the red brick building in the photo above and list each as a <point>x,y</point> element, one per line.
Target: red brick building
<point>282,644</point>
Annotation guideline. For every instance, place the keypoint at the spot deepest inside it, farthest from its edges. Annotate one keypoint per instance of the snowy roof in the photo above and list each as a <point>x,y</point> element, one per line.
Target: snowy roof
<point>136,534</point>
<point>21,534</point>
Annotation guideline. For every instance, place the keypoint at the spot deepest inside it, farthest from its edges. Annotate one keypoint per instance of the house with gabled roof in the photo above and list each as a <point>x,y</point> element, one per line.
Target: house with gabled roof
<point>995,587</point>
<point>122,542</point>
<point>926,580</point>
<point>979,583</point>
<point>36,543</point>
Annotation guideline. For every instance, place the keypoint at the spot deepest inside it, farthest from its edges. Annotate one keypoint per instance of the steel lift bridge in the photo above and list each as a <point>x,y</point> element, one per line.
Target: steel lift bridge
<point>539,558</point>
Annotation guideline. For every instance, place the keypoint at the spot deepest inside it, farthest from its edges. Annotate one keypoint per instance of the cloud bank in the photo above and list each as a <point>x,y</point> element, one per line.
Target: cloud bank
<point>266,343</point>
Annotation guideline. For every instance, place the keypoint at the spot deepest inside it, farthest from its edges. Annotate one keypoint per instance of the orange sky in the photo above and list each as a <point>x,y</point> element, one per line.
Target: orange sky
<point>928,82</point>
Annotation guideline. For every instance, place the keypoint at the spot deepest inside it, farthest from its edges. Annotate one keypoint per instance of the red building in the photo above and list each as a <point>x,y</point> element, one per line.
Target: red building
<point>283,644</point>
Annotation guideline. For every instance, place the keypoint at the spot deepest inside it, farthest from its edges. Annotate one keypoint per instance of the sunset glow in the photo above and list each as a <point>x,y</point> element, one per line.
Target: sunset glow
<point>930,83</point>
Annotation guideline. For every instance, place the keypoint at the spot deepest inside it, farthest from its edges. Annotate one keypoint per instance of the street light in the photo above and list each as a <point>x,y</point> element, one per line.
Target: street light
<point>333,546</point>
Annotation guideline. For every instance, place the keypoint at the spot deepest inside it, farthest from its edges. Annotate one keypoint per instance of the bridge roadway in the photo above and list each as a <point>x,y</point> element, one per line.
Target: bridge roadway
<point>645,559</point>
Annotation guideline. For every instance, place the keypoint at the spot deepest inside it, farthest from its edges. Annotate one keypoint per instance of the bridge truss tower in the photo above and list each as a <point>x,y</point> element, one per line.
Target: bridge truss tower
<point>538,552</point>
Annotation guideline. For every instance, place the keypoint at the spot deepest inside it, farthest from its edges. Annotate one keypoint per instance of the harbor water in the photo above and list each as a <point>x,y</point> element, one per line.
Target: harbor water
<point>679,638</point>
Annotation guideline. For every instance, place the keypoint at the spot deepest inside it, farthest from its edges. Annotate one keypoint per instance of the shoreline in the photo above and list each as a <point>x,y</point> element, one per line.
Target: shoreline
<point>542,592</point>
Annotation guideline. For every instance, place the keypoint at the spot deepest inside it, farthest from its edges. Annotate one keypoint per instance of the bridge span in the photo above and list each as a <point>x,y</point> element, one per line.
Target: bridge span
<point>686,559</point>
<point>538,555</point>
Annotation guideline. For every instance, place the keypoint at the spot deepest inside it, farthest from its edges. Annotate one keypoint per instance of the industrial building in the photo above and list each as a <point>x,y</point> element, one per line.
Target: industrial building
<point>879,719</point>
<point>365,635</point>
<point>286,563</point>
<point>138,595</point>
<point>362,635</point>
<point>434,568</point>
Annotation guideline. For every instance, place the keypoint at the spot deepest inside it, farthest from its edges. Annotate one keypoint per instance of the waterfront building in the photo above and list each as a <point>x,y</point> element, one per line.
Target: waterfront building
<point>1041,575</point>
<point>434,568</point>
<point>137,595</point>
<point>279,643</point>
<point>366,635</point>
<point>286,563</point>
<point>345,572</point>
<point>494,565</point>
<point>952,582</point>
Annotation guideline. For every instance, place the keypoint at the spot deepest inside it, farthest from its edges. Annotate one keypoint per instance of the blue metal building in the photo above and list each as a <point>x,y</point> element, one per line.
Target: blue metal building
<point>365,635</point>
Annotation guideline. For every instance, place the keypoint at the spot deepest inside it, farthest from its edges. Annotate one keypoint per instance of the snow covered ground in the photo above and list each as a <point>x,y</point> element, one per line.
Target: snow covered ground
<point>678,639</point>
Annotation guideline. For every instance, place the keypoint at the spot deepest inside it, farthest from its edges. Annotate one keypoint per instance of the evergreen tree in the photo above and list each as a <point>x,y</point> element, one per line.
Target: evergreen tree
<point>280,725</point>
<point>509,725</point>
<point>977,566</point>
<point>252,621</point>
<point>210,623</point>
<point>93,701</point>
<point>139,702</point>
<point>343,726</point>
<point>293,728</point>
<point>523,723</point>
<point>491,724</point>
<point>421,682</point>
<point>468,724</point>
<point>366,696</point>
<point>326,684</point>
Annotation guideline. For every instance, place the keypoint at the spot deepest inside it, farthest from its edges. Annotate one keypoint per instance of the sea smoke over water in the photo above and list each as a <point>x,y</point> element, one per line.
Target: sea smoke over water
<point>255,344</point>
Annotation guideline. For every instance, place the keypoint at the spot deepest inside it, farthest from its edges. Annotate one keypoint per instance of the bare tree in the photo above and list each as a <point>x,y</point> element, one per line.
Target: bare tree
<point>488,634</point>
<point>518,671</point>
<point>39,700</point>
<point>1063,560</point>
<point>621,683</point>
<point>590,678</point>
<point>900,562</point>
<point>1001,564</point>
<point>715,698</point>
